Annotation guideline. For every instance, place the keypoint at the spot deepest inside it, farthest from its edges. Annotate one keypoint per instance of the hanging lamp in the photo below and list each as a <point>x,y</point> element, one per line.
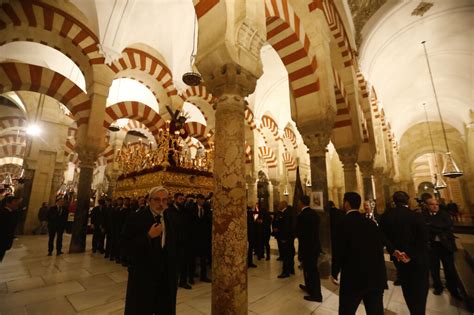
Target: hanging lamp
<point>450,168</point>
<point>192,78</point>
<point>439,183</point>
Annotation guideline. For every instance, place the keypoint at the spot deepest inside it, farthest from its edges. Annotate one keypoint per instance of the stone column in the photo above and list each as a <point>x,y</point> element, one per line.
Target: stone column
<point>270,196</point>
<point>251,191</point>
<point>379,191</point>
<point>366,168</point>
<point>348,157</point>
<point>317,152</point>
<point>112,185</point>
<point>79,228</point>
<point>230,84</point>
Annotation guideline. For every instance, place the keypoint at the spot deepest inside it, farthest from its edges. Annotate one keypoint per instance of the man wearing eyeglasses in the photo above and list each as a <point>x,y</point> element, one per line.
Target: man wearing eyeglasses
<point>149,238</point>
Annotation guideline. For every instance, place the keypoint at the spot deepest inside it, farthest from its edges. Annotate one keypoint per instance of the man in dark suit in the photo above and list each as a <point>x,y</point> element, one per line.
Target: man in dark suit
<point>307,231</point>
<point>361,264</point>
<point>57,219</point>
<point>285,235</point>
<point>150,239</point>
<point>201,233</point>
<point>122,218</point>
<point>369,207</point>
<point>97,216</point>
<point>8,221</point>
<point>407,238</point>
<point>250,237</point>
<point>442,248</point>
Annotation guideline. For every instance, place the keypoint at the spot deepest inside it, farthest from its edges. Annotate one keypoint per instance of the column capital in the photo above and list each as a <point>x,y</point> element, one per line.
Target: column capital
<point>366,167</point>
<point>231,79</point>
<point>317,142</point>
<point>348,156</point>
<point>87,155</point>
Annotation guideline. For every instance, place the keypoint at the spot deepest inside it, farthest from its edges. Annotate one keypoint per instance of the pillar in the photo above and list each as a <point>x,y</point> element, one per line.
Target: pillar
<point>379,191</point>
<point>251,191</point>
<point>270,196</point>
<point>230,84</point>
<point>276,195</point>
<point>79,228</point>
<point>348,157</point>
<point>366,168</point>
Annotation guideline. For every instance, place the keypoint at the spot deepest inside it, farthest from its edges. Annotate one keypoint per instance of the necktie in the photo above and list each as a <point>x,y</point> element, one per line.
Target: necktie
<point>200,212</point>
<point>158,218</point>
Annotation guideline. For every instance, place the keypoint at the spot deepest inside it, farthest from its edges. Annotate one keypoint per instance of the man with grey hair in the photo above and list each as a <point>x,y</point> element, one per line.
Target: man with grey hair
<point>150,239</point>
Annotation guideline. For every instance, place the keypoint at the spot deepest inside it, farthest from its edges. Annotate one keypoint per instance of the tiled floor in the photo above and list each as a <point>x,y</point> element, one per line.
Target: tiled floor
<point>32,283</point>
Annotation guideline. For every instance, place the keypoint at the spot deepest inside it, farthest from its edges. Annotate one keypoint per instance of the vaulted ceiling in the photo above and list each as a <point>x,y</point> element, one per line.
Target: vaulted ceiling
<point>392,57</point>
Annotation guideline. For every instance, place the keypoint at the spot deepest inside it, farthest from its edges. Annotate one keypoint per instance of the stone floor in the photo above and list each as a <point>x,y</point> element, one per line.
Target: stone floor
<point>32,283</point>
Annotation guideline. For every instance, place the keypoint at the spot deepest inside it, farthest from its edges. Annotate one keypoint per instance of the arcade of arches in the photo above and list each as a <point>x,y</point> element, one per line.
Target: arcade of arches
<point>333,89</point>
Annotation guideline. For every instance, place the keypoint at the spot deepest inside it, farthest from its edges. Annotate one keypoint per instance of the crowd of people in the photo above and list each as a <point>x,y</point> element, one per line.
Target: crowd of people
<point>163,238</point>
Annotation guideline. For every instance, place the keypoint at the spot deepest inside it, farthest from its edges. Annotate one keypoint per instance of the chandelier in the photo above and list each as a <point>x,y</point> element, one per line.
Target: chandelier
<point>170,151</point>
<point>450,168</point>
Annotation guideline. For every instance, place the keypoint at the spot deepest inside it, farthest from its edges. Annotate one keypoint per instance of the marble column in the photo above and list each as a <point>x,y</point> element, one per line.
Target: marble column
<point>79,228</point>
<point>112,184</point>
<point>348,157</point>
<point>379,191</point>
<point>251,191</point>
<point>366,168</point>
<point>230,84</point>
<point>270,196</point>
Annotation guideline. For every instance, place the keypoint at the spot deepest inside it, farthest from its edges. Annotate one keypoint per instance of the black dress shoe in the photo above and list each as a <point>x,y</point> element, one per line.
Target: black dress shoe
<point>456,295</point>
<point>185,286</point>
<point>207,280</point>
<point>50,254</point>
<point>252,265</point>
<point>106,256</point>
<point>283,275</point>
<point>292,272</point>
<point>397,282</point>
<point>279,259</point>
<point>313,298</point>
<point>268,258</point>
<point>303,287</point>
<point>59,253</point>
<point>191,281</point>
<point>438,291</point>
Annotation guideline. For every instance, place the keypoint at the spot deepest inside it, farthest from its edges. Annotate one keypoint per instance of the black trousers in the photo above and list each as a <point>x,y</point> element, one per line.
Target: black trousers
<point>287,257</point>
<point>202,266</point>
<point>373,302</point>
<point>185,263</point>
<point>439,253</point>
<point>311,276</point>
<point>109,244</point>
<point>58,233</point>
<point>415,283</point>
<point>98,238</point>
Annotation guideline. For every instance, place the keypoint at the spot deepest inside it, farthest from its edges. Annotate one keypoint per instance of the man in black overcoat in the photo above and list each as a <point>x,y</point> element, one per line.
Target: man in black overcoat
<point>361,264</point>
<point>200,237</point>
<point>285,235</point>
<point>250,237</point>
<point>150,240</point>
<point>97,216</point>
<point>8,221</point>
<point>307,231</point>
<point>406,233</point>
<point>57,219</point>
<point>442,248</point>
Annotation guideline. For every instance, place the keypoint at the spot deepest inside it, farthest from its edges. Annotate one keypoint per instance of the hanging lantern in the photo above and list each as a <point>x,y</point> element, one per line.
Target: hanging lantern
<point>439,183</point>
<point>450,168</point>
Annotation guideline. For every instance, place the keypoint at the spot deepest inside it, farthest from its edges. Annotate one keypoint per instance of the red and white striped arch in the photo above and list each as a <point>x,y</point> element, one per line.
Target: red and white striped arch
<point>362,85</point>
<point>26,77</point>
<point>12,138</point>
<point>249,118</point>
<point>12,122</point>
<point>289,135</point>
<point>137,111</point>
<point>343,118</point>
<point>269,124</point>
<point>197,130</point>
<point>289,161</point>
<point>203,6</point>
<point>202,99</point>
<point>138,126</point>
<point>12,150</point>
<point>286,34</point>
<point>133,58</point>
<point>13,169</point>
<point>268,155</point>
<point>53,27</point>
<point>338,30</point>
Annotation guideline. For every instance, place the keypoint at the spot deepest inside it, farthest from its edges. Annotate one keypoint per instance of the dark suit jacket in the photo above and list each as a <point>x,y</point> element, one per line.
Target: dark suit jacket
<point>98,216</point>
<point>8,220</point>
<point>307,231</point>
<point>57,220</point>
<point>201,229</point>
<point>151,265</point>
<point>440,226</point>
<point>285,225</point>
<point>405,230</point>
<point>358,255</point>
